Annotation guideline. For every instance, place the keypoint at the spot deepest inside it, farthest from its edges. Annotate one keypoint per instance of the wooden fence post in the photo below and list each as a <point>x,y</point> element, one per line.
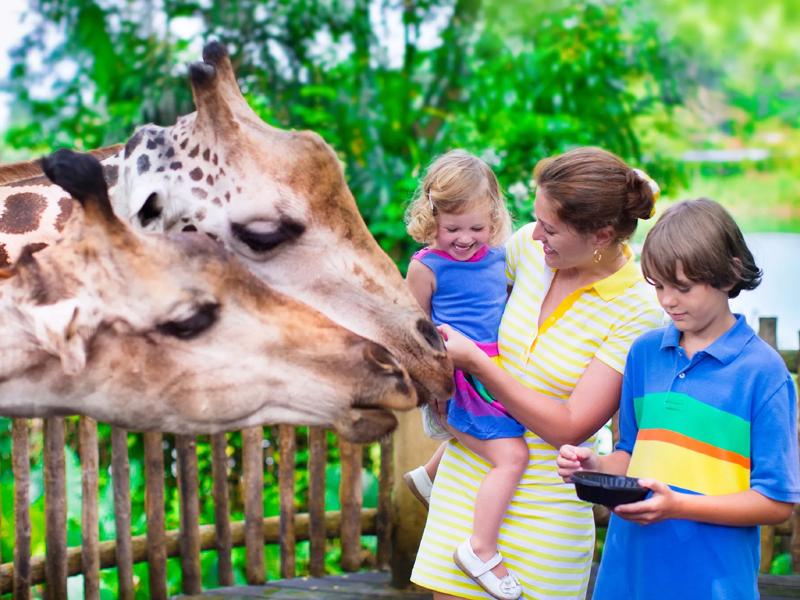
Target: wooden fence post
<point>154,507</point>
<point>20,455</point>
<point>411,449</point>
<point>767,330</point>
<point>351,500</point>
<point>222,521</point>
<point>55,509</point>
<point>90,546</point>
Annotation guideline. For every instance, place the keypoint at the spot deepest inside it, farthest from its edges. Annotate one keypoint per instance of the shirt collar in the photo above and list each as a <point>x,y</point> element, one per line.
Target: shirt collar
<point>615,284</point>
<point>725,348</point>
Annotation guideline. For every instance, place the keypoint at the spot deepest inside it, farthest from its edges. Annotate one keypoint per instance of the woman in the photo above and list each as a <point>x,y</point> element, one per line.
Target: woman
<point>578,302</point>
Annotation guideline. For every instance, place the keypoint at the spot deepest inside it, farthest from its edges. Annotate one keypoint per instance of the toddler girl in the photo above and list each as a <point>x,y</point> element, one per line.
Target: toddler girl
<point>459,279</point>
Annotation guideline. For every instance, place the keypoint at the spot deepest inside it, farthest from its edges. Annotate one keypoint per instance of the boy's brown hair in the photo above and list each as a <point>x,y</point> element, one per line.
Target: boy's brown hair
<point>706,241</point>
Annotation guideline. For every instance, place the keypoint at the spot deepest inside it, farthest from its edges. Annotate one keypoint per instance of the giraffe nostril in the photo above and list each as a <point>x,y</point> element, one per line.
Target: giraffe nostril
<point>430,334</point>
<point>189,228</point>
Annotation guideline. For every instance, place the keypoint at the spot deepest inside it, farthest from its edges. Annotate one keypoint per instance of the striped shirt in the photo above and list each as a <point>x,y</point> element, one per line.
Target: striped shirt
<point>547,536</point>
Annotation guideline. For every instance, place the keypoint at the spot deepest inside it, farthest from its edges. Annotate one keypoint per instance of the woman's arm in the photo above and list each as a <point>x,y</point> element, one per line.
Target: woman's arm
<point>742,509</point>
<point>592,402</point>
<point>422,283</point>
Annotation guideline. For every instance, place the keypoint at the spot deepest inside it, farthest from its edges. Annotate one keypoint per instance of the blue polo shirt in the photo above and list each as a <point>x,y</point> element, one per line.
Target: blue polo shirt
<point>722,422</point>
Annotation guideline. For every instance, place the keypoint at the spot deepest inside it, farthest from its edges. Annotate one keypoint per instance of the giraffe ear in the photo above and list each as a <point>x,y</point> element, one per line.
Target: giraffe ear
<point>55,328</point>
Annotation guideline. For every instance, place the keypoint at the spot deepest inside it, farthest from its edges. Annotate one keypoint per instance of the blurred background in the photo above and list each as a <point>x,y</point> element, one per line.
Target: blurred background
<point>703,95</point>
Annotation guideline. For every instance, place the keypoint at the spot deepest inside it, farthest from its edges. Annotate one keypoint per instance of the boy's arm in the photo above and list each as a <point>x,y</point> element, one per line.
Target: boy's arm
<point>742,509</point>
<point>422,283</point>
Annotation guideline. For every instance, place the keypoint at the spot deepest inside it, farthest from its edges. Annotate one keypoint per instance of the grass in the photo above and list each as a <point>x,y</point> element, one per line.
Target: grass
<point>760,201</point>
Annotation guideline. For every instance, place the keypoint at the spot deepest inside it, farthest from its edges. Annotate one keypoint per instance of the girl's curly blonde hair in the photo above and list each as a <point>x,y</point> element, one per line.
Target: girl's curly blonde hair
<point>454,183</point>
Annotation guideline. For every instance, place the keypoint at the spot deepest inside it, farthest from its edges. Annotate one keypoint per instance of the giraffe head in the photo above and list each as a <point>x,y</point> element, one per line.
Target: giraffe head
<point>149,331</point>
<point>279,201</point>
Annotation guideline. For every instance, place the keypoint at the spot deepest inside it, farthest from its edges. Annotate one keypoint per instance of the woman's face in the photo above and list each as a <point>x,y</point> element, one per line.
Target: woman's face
<point>564,248</point>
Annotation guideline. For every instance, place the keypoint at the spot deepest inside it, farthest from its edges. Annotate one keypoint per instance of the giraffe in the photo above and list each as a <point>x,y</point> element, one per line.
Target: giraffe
<point>278,200</point>
<point>171,333</point>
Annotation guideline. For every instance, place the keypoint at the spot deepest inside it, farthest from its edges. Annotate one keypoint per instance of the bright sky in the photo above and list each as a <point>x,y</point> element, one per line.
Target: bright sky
<point>13,30</point>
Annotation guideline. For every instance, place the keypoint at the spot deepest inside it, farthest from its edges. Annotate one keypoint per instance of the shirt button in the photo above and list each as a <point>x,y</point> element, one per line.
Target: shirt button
<point>681,375</point>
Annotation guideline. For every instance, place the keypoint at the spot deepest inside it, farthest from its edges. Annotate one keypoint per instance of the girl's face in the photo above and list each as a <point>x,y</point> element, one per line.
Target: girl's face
<point>462,235</point>
<point>697,309</point>
<point>564,248</point>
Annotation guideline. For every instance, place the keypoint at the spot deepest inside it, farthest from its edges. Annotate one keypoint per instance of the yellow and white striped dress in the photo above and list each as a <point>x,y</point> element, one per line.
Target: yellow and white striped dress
<point>547,537</point>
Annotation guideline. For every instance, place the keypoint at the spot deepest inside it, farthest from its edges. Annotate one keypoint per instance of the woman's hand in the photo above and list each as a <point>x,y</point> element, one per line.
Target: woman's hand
<point>662,504</point>
<point>575,458</point>
<point>462,350</point>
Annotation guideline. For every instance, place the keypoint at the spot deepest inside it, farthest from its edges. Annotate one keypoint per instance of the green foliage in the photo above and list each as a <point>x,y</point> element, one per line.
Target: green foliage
<point>509,81</point>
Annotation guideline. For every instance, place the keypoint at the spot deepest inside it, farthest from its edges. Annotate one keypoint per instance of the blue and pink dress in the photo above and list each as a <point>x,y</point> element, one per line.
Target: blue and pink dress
<point>470,297</point>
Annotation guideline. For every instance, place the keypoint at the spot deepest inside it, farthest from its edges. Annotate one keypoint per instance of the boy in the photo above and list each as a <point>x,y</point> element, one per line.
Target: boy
<point>708,423</point>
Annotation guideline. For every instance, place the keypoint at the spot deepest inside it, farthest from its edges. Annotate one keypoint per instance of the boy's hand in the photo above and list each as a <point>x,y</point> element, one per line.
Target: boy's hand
<point>575,458</point>
<point>660,505</point>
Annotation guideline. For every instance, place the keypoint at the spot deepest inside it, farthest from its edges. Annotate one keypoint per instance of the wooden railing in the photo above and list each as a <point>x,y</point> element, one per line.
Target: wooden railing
<point>154,548</point>
<point>157,545</point>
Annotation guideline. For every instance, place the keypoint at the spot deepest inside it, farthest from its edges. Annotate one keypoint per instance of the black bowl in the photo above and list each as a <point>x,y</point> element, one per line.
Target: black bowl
<point>608,490</point>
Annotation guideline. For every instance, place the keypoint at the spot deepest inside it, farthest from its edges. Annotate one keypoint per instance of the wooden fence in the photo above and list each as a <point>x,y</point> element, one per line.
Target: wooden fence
<point>253,533</point>
<point>157,545</point>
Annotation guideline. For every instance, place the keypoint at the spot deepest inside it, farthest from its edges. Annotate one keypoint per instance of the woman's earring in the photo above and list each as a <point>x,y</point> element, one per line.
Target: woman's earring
<point>597,255</point>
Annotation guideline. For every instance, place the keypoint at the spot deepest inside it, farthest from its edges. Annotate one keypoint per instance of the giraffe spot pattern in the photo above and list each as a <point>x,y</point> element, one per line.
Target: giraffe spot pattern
<point>22,212</point>
<point>200,214</point>
<point>210,180</point>
<point>4,262</point>
<point>143,163</point>
<point>216,201</point>
<point>206,154</point>
<point>194,152</point>
<point>111,174</point>
<point>65,210</point>
<point>133,143</point>
<point>176,165</point>
<point>170,152</point>
<point>183,144</point>
<point>196,173</point>
<point>199,193</point>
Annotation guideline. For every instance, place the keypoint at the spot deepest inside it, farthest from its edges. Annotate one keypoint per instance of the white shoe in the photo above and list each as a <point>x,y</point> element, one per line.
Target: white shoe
<point>505,588</point>
<point>420,484</point>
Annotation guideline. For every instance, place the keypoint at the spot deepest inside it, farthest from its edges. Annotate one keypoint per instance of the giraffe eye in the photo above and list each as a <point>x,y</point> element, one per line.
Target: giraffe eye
<point>190,327</point>
<point>150,211</point>
<point>260,239</point>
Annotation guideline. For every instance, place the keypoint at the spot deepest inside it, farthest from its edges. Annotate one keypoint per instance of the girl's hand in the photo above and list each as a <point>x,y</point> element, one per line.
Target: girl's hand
<point>462,350</point>
<point>661,505</point>
<point>575,458</point>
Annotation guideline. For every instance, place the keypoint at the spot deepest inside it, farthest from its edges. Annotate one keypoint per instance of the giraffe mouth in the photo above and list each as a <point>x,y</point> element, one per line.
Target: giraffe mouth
<point>364,425</point>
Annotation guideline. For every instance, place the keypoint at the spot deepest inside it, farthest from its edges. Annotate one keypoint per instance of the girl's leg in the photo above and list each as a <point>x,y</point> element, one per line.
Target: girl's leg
<point>433,462</point>
<point>509,458</point>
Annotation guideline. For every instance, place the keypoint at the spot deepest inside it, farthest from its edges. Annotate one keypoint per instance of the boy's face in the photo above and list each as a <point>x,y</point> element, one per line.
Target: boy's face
<point>698,310</point>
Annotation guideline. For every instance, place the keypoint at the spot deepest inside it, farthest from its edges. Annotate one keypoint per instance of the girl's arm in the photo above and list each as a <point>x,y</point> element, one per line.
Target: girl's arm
<point>592,402</point>
<point>422,283</point>
<point>742,509</point>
